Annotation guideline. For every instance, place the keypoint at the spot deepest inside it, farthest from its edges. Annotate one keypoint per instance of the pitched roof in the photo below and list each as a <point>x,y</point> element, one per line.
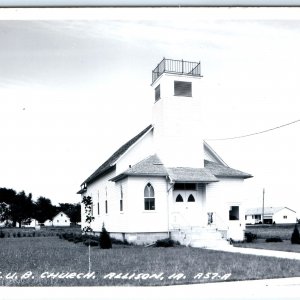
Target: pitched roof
<point>150,166</point>
<point>224,171</point>
<point>267,210</point>
<point>191,175</point>
<point>61,212</point>
<point>110,162</point>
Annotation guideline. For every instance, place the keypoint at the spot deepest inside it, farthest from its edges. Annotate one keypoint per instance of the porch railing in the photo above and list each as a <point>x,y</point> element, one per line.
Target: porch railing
<point>176,67</point>
<point>215,220</point>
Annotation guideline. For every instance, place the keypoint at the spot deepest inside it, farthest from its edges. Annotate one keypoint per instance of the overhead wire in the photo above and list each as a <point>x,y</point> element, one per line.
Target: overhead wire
<point>254,133</point>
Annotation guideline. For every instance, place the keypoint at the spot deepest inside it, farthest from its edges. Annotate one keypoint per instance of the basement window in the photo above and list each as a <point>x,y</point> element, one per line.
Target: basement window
<point>183,88</point>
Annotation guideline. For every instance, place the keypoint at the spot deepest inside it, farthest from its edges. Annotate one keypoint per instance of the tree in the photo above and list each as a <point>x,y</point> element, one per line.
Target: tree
<point>72,210</point>
<point>44,210</point>
<point>7,195</point>
<point>88,204</point>
<point>104,241</point>
<point>4,211</point>
<point>295,238</point>
<point>21,208</point>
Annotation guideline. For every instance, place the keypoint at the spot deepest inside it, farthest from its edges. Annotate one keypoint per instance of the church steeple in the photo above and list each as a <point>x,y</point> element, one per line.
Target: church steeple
<point>177,113</point>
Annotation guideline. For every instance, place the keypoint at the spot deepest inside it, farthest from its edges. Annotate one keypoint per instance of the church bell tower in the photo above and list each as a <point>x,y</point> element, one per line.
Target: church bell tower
<point>178,131</point>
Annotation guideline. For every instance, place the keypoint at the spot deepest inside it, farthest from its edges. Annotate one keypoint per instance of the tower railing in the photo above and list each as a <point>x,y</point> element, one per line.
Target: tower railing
<point>176,67</point>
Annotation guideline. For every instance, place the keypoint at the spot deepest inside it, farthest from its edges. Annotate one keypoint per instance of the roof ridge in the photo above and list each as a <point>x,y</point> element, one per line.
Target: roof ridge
<point>121,150</point>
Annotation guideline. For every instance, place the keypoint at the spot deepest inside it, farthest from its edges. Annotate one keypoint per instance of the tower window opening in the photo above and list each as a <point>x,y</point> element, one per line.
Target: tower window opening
<point>157,93</point>
<point>183,88</point>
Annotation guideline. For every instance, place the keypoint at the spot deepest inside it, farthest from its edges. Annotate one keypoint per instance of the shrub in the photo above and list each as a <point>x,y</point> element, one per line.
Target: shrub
<point>14,234</point>
<point>165,243</point>
<point>250,237</point>
<point>104,240</point>
<point>33,234</point>
<point>19,234</point>
<point>119,242</point>
<point>8,235</point>
<point>2,234</point>
<point>295,238</point>
<point>274,239</point>
<point>91,243</point>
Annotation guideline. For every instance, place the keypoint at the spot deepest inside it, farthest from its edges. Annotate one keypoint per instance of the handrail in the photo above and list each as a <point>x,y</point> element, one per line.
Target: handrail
<point>187,224</point>
<point>217,218</point>
<point>176,67</point>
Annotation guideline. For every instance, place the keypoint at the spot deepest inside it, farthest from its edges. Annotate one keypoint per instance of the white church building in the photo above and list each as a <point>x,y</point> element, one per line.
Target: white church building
<point>166,181</point>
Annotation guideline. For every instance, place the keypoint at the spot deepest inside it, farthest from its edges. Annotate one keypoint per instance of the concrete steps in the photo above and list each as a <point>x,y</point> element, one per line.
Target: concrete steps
<point>201,237</point>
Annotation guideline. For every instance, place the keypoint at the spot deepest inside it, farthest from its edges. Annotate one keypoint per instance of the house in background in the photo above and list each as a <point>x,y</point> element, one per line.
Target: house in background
<point>48,222</point>
<point>31,223</point>
<point>166,181</point>
<point>278,215</point>
<point>61,219</point>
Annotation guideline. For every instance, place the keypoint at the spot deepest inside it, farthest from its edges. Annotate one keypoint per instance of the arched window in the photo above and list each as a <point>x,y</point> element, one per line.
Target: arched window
<point>149,197</point>
<point>191,198</point>
<point>179,198</point>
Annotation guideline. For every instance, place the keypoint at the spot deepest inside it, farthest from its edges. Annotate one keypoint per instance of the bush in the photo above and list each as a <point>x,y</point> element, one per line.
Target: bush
<point>104,240</point>
<point>119,242</point>
<point>274,239</point>
<point>295,238</point>
<point>165,243</point>
<point>19,234</point>
<point>2,234</point>
<point>14,234</point>
<point>8,235</point>
<point>92,243</point>
<point>250,237</point>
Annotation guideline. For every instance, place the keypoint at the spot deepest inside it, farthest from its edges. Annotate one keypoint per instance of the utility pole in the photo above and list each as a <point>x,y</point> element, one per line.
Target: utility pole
<point>263,206</point>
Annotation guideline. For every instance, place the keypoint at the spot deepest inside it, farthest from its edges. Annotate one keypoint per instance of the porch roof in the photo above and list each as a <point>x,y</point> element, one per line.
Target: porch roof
<point>152,166</point>
<point>219,170</point>
<point>191,175</point>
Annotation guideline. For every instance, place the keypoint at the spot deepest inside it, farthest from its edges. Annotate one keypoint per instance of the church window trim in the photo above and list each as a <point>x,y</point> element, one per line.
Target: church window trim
<point>149,197</point>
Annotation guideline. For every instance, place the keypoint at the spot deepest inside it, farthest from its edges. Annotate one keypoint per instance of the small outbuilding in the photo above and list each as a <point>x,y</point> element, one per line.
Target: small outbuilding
<point>61,219</point>
<point>278,215</point>
<point>48,222</point>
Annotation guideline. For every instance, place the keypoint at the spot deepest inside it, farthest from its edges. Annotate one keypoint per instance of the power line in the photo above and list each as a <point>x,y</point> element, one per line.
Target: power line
<point>255,133</point>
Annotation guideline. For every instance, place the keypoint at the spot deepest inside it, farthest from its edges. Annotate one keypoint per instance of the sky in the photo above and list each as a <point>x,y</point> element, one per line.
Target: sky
<point>75,86</point>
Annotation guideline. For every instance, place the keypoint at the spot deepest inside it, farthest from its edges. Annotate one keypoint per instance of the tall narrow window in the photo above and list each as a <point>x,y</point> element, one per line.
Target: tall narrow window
<point>149,198</point>
<point>121,199</point>
<point>183,88</point>
<point>98,205</point>
<point>179,198</point>
<point>106,204</point>
<point>157,93</point>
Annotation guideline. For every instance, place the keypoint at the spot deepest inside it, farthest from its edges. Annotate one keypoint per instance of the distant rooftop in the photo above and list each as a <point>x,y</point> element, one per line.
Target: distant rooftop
<point>176,67</point>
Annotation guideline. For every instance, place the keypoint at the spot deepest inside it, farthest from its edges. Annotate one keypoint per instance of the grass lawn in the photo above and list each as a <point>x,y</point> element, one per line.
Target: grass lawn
<point>285,245</point>
<point>45,255</point>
